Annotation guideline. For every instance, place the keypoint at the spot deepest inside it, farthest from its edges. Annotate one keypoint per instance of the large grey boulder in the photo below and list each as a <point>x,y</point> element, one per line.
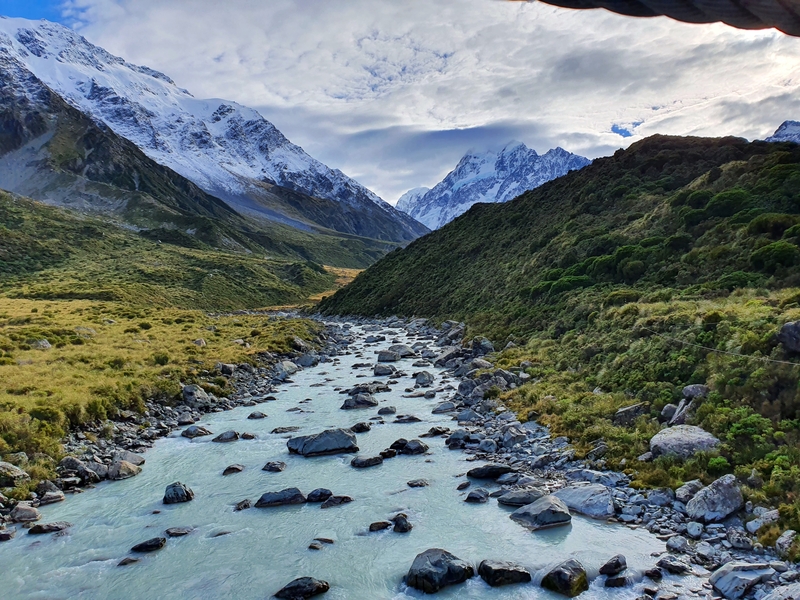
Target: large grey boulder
<point>497,573</point>
<point>330,441</point>
<point>481,346</point>
<point>12,476</point>
<point>682,441</point>
<point>402,350</point>
<point>385,356</point>
<point>546,512</point>
<point>25,513</point>
<point>628,414</point>
<point>436,568</point>
<point>734,579</point>
<point>286,496</point>
<point>194,431</point>
<point>303,587</point>
<point>383,370</point>
<point>177,492</point>
<point>568,578</point>
<point>789,336</point>
<point>423,379</point>
<point>359,401</point>
<point>716,501</point>
<point>521,497</point>
<point>593,500</point>
<point>490,471</point>
<point>195,396</point>
<point>784,543</point>
<point>695,390</point>
<point>122,469</point>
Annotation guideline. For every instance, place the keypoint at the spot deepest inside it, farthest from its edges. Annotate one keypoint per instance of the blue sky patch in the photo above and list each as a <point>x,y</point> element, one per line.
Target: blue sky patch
<point>32,9</point>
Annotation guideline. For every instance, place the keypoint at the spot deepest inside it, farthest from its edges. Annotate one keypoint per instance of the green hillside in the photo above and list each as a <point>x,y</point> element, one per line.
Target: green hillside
<point>670,263</point>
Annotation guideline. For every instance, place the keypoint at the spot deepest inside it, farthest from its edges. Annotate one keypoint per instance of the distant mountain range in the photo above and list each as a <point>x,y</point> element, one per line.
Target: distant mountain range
<point>217,152</point>
<point>491,176</point>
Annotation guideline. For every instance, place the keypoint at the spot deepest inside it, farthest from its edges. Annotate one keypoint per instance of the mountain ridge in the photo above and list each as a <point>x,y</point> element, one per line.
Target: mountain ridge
<point>228,150</point>
<point>487,176</point>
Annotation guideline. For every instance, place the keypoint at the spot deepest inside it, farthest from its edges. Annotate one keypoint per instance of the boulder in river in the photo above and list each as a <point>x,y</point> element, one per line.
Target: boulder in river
<point>414,447</point>
<point>257,415</point>
<point>682,441</point>
<point>477,496</point>
<point>716,501</point>
<point>24,513</point>
<point>546,512</point>
<point>330,441</point>
<point>521,497</point>
<point>423,379</point>
<point>593,500</point>
<point>379,525</point>
<point>387,410</point>
<point>303,587</point>
<point>122,469</point>
<point>383,370</point>
<point>53,527</point>
<point>385,356</point>
<point>231,469</point>
<point>194,431</point>
<point>285,496</point>
<point>497,573</point>
<point>568,578</point>
<point>227,436</point>
<point>417,483</point>
<point>735,579</point>
<point>444,407</point>
<point>319,495</point>
<point>11,475</point>
<point>363,462</point>
<point>179,531</point>
<point>274,466</point>
<point>177,492</point>
<point>490,471</point>
<point>401,523</point>
<point>151,545</point>
<point>336,501</point>
<point>436,568</point>
<point>359,401</point>
<point>362,427</point>
<point>614,566</point>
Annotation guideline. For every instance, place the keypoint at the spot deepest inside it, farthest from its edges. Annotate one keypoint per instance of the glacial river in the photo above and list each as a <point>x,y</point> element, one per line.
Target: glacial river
<point>264,549</point>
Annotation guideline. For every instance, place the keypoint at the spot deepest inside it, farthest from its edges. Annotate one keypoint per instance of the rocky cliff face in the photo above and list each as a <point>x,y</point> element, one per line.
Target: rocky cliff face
<point>492,176</point>
<point>228,150</point>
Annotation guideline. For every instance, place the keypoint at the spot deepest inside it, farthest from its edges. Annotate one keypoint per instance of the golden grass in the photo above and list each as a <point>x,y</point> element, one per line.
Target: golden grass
<point>343,277</point>
<point>103,346</point>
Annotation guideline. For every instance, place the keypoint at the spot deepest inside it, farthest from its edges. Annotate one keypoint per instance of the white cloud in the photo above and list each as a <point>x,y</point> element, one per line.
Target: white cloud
<point>393,93</point>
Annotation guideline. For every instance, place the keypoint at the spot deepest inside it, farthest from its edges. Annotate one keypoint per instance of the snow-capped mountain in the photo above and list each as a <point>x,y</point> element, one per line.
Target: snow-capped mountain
<point>407,201</point>
<point>227,149</point>
<point>491,176</point>
<point>789,131</point>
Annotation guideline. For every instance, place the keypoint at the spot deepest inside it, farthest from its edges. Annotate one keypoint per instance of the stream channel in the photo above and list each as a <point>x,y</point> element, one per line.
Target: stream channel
<point>266,548</point>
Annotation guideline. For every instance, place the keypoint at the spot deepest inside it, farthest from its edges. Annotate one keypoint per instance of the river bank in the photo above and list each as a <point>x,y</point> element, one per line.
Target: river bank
<point>481,431</point>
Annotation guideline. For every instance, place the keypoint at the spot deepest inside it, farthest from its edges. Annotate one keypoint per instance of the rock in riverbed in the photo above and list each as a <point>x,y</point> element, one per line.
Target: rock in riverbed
<point>614,566</point>
<point>363,462</point>
<point>359,401</point>
<point>593,500</point>
<point>53,527</point>
<point>177,492</point>
<point>319,495</point>
<point>25,513</point>
<point>227,436</point>
<point>285,496</point>
<point>436,568</point>
<point>477,496</point>
<point>194,431</point>
<point>569,579</point>
<point>735,579</point>
<point>521,497</point>
<point>331,441</point>
<point>274,466</point>
<point>336,501</point>
<point>546,512</point>
<point>150,545</point>
<point>304,587</point>
<point>230,470</point>
<point>497,573</point>
<point>490,471</point>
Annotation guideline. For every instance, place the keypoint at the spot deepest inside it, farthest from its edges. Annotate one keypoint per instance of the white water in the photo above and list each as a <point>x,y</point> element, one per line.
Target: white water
<point>267,548</point>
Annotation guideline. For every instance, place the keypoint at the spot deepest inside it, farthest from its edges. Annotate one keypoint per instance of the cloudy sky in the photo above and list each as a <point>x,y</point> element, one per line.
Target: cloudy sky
<point>394,93</point>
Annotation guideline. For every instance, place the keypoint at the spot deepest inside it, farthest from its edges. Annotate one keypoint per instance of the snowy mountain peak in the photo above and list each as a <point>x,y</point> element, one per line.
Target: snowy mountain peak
<point>489,176</point>
<point>227,149</point>
<point>410,198</point>
<point>789,131</point>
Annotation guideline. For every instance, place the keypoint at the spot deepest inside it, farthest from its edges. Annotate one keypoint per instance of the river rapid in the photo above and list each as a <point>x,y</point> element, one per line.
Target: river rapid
<point>253,553</point>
